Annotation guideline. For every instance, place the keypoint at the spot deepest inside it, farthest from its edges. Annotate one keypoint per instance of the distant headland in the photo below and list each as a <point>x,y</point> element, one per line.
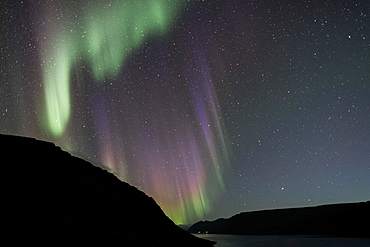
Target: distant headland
<point>337,220</point>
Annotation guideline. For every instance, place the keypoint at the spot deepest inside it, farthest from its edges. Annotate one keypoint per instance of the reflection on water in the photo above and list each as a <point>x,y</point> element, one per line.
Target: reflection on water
<point>283,241</point>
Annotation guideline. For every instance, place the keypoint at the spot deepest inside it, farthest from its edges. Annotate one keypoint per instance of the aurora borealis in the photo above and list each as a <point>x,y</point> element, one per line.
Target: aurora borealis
<point>210,107</point>
<point>104,40</point>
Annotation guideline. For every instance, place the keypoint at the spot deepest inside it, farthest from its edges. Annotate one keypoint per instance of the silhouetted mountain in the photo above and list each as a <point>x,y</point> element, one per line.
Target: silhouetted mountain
<point>350,219</point>
<point>49,195</point>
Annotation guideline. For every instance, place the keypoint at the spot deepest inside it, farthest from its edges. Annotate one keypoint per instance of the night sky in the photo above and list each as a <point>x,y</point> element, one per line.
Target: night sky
<point>211,107</point>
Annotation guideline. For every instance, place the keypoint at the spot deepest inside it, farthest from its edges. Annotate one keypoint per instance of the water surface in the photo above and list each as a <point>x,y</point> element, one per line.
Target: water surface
<point>283,241</point>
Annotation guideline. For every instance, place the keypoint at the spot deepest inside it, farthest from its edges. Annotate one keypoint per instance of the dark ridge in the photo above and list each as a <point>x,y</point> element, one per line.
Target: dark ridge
<point>337,220</point>
<point>49,196</point>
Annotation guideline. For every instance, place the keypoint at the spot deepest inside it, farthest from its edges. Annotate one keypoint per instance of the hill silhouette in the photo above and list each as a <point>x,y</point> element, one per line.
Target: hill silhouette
<point>49,196</point>
<point>345,220</point>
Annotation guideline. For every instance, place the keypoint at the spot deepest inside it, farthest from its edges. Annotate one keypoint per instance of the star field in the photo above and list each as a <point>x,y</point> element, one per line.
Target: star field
<point>210,107</point>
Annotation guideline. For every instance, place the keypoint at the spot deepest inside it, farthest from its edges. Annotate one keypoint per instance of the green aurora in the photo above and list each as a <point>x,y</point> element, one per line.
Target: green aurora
<point>109,33</point>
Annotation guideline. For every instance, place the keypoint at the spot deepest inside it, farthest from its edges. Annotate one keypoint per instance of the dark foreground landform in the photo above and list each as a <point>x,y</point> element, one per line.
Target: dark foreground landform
<point>336,220</point>
<point>49,196</point>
